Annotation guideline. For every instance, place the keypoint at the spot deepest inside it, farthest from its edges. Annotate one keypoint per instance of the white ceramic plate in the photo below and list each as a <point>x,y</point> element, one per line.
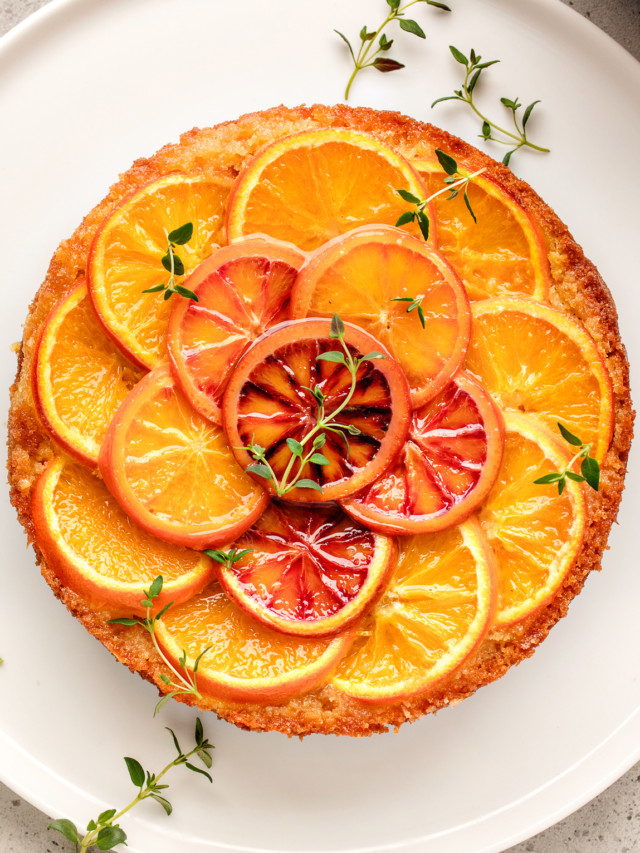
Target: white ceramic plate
<point>89,85</point>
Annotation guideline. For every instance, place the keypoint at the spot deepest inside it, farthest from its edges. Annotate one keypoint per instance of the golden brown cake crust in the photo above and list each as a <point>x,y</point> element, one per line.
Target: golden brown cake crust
<point>221,152</point>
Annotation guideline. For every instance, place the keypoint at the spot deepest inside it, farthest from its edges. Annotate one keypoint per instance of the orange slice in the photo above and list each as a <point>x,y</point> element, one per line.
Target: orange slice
<point>359,275</point>
<point>503,253</point>
<point>309,573</point>
<point>172,471</point>
<point>435,612</point>
<point>534,359</point>
<point>446,468</point>
<point>535,532</point>
<point>270,402</point>
<point>80,377</point>
<point>99,552</point>
<point>248,662</point>
<point>242,289</point>
<point>314,185</point>
<point>126,258</point>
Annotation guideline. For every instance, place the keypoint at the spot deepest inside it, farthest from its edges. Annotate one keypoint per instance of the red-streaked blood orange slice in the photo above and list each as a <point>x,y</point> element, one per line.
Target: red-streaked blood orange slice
<point>312,186</point>
<point>360,275</point>
<point>537,360</point>
<point>172,471</point>
<point>446,469</point>
<point>535,532</point>
<point>126,258</point>
<point>435,612</point>
<point>503,252</point>
<point>308,572</point>
<point>80,378</point>
<point>248,662</point>
<point>270,402</point>
<point>242,289</point>
<point>102,554</point>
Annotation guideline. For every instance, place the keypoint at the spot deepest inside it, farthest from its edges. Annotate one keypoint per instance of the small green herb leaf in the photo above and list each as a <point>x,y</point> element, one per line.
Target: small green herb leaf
<point>447,162</point>
<point>135,771</point>
<point>181,235</point>
<point>309,484</point>
<point>591,472</point>
<point>66,828</point>
<point>459,56</point>
<point>109,837</point>
<point>295,447</point>
<point>319,459</point>
<point>336,330</point>
<point>410,26</point>
<point>385,64</point>
<point>332,355</point>
<point>260,471</point>
<point>569,436</point>
<point>407,196</point>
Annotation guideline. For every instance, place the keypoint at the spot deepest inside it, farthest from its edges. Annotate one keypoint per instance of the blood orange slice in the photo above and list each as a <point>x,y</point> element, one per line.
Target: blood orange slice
<point>248,662</point>
<point>446,469</point>
<point>309,573</point>
<point>312,186</point>
<point>99,552</point>
<point>503,252</point>
<point>172,471</point>
<point>80,377</point>
<point>127,252</point>
<point>242,289</point>
<point>272,403</point>
<point>363,274</point>
<point>435,612</point>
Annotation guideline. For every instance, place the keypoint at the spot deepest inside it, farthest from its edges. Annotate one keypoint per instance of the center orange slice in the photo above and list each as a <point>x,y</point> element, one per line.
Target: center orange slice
<point>99,552</point>
<point>248,662</point>
<point>312,186</point>
<point>127,252</point>
<point>309,573</point>
<point>535,359</point>
<point>502,253</point>
<point>435,612</point>
<point>272,402</point>
<point>172,470</point>
<point>363,274</point>
<point>446,468</point>
<point>242,289</point>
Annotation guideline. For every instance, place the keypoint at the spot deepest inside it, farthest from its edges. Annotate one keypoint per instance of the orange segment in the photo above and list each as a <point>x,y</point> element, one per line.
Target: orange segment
<point>242,289</point>
<point>535,533</point>
<point>308,573</point>
<point>268,403</point>
<point>503,253</point>
<point>126,258</point>
<point>361,273</point>
<point>534,359</point>
<point>80,377</point>
<point>99,552</point>
<point>436,610</point>
<point>248,662</point>
<point>312,186</point>
<point>172,470</point>
<point>446,468</point>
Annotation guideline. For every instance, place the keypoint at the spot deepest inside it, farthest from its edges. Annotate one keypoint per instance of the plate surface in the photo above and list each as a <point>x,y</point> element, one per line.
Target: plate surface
<point>89,86</point>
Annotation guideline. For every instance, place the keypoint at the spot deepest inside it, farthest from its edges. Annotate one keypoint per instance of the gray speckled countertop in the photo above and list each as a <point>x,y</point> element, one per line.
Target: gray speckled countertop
<point>608,824</point>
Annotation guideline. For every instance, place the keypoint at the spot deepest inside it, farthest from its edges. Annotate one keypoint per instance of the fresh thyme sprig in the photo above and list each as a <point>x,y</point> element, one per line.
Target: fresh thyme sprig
<point>183,683</point>
<point>416,302</point>
<point>516,138</point>
<point>454,183</point>
<point>590,469</point>
<point>374,43</point>
<point>104,832</point>
<point>174,266</point>
<point>227,558</point>
<point>301,452</point>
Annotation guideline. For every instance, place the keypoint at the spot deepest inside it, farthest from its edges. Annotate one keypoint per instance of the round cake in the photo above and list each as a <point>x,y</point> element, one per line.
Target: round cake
<point>351,389</point>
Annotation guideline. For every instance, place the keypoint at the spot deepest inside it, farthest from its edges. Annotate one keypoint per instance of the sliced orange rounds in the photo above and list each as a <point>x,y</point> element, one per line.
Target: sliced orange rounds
<point>312,186</point>
<point>308,572</point>
<point>248,662</point>
<point>100,552</point>
<point>435,612</point>
<point>126,258</point>
<point>535,533</point>
<point>537,360</point>
<point>172,470</point>
<point>270,401</point>
<point>242,289</point>
<point>361,275</point>
<point>503,252</point>
<point>446,468</point>
<point>80,378</point>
